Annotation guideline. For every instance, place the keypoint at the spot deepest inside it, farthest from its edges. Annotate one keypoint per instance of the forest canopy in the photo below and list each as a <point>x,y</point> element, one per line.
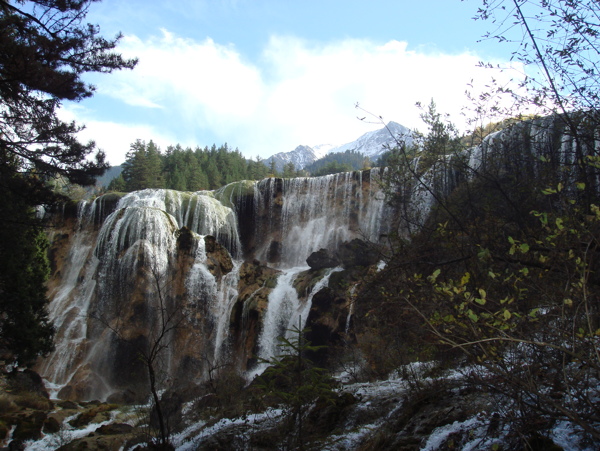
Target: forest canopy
<point>146,166</point>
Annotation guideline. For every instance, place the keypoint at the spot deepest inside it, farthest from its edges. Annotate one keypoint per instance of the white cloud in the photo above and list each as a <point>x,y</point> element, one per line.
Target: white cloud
<point>111,137</point>
<point>297,92</point>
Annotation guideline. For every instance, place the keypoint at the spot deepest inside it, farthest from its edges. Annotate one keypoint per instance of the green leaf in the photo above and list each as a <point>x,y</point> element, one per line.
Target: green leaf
<point>465,279</point>
<point>533,313</point>
<point>435,275</point>
<point>472,316</point>
<point>507,315</point>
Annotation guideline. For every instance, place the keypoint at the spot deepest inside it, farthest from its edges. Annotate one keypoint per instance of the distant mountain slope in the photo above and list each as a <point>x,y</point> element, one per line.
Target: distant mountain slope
<point>110,174</point>
<point>301,156</point>
<point>350,158</point>
<point>371,144</point>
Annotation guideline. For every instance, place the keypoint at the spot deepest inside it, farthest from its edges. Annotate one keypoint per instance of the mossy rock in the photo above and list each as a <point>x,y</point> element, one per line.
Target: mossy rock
<point>271,282</point>
<point>67,405</point>
<point>306,281</point>
<point>25,382</point>
<point>51,425</point>
<point>114,429</point>
<point>33,401</point>
<point>95,414</point>
<point>7,405</point>
<point>229,195</point>
<point>29,427</point>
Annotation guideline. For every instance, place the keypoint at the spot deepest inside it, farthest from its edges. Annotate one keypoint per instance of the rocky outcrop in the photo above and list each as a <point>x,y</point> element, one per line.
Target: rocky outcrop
<point>357,253</point>
<point>348,255</point>
<point>255,284</point>
<point>322,259</point>
<point>218,259</point>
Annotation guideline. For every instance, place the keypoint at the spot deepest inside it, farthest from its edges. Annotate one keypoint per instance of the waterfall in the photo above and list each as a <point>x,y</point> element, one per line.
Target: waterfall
<point>284,312</point>
<point>222,306</point>
<point>68,310</point>
<point>114,277</point>
<point>132,255</point>
<point>282,308</point>
<point>302,215</point>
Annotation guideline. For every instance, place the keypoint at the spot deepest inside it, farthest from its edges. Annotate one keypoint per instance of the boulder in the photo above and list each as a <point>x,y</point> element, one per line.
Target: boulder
<point>114,429</point>
<point>357,253</point>
<point>322,259</point>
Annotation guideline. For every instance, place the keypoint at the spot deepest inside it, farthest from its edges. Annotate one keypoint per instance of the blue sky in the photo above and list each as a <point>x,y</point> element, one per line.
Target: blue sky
<point>268,75</point>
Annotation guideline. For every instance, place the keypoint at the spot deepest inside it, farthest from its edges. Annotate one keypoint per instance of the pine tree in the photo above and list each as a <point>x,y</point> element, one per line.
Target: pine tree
<point>295,381</point>
<point>117,184</point>
<point>289,170</point>
<point>45,50</point>
<point>143,166</point>
<point>25,330</point>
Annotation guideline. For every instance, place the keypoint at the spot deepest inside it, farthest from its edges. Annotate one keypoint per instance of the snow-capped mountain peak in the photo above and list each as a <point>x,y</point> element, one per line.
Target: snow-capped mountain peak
<point>372,144</point>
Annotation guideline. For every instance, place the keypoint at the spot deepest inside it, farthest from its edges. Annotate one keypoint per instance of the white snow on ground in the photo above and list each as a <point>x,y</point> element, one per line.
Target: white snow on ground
<point>440,435</point>
<point>182,441</point>
<point>50,442</point>
<point>475,427</point>
<point>349,440</point>
<point>383,398</point>
<point>564,435</point>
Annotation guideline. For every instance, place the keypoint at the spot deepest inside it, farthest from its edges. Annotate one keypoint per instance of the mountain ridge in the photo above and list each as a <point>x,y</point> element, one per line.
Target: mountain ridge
<point>372,144</point>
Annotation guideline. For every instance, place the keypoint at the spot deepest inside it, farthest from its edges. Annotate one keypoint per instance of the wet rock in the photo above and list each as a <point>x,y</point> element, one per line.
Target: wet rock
<point>185,239</point>
<point>67,405</point>
<point>29,426</point>
<point>51,425</point>
<point>357,253</point>
<point>27,381</point>
<point>16,445</point>
<point>114,429</point>
<point>322,259</point>
<point>94,414</point>
<point>126,397</point>
<point>218,259</point>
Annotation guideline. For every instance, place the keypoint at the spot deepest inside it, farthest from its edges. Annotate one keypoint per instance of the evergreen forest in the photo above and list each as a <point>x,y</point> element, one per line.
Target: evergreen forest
<point>146,166</point>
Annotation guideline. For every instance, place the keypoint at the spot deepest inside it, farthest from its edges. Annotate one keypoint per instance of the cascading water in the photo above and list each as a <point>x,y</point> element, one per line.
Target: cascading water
<point>283,304</point>
<point>69,307</point>
<point>134,252</point>
<point>124,254</point>
<point>307,214</point>
<point>285,311</point>
<point>222,305</point>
